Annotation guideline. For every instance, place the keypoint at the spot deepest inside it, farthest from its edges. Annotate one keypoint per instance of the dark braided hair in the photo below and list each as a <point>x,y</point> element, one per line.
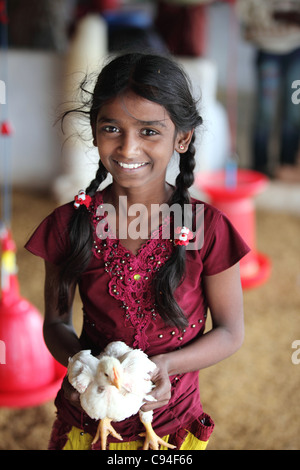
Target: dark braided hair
<point>81,241</point>
<point>171,274</point>
<point>161,80</point>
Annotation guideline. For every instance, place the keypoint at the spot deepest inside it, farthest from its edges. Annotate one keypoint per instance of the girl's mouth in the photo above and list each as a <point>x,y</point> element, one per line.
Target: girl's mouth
<point>130,166</point>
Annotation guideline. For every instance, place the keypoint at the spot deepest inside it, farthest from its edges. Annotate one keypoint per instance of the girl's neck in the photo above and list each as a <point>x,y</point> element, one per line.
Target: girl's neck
<point>157,195</point>
<point>112,194</point>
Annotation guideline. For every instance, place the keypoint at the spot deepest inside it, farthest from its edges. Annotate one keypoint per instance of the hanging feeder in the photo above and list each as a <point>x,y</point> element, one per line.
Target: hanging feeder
<point>29,375</point>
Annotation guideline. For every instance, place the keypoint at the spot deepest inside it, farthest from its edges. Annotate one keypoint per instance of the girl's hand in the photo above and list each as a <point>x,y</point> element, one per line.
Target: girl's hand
<point>162,390</point>
<point>71,394</point>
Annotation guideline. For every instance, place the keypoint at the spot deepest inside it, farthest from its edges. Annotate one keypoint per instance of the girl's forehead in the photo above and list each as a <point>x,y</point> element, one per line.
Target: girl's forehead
<point>136,107</point>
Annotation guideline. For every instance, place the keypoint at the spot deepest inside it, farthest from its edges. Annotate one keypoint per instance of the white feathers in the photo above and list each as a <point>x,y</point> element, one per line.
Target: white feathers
<point>114,384</point>
<point>116,349</point>
<point>113,387</point>
<point>82,369</point>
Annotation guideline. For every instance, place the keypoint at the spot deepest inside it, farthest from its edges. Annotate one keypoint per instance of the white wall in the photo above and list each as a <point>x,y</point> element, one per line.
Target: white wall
<point>32,98</point>
<point>218,32</point>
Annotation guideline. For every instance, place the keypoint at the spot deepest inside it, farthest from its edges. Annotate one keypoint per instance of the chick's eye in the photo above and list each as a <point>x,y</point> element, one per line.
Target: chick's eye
<point>106,375</point>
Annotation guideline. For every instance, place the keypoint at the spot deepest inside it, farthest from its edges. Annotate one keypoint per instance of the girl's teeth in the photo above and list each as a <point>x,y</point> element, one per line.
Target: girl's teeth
<point>130,166</point>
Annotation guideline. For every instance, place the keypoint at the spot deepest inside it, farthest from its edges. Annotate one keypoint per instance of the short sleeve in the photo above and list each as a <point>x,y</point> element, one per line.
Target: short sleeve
<point>223,245</point>
<point>50,240</point>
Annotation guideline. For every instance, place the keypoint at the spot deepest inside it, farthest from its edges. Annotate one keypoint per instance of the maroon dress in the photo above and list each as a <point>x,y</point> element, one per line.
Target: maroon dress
<point>118,304</point>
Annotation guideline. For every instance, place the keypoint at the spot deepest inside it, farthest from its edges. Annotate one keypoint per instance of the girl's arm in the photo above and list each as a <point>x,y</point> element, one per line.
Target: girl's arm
<point>59,334</point>
<point>225,300</point>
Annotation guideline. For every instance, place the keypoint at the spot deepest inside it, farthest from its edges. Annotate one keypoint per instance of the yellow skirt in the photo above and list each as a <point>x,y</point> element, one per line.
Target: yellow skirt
<point>77,440</point>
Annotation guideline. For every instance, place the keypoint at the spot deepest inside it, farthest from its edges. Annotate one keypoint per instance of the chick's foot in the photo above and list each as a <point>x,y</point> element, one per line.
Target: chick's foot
<point>105,429</point>
<point>152,440</point>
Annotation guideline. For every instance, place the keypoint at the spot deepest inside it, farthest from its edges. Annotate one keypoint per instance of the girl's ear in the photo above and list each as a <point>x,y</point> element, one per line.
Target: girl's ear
<point>183,140</point>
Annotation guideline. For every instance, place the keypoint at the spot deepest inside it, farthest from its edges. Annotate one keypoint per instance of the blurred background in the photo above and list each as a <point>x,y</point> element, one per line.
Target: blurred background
<point>243,58</point>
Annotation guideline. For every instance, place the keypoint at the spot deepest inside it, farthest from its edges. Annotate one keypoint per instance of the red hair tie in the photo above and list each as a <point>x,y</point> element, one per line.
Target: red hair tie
<point>82,199</point>
<point>185,235</point>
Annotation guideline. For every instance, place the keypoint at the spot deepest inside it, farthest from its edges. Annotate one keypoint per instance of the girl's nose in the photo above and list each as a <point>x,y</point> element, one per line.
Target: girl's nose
<point>129,146</point>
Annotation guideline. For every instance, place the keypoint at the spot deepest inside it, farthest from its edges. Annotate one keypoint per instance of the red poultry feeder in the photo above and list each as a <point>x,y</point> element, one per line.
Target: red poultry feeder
<point>236,201</point>
<point>29,375</point>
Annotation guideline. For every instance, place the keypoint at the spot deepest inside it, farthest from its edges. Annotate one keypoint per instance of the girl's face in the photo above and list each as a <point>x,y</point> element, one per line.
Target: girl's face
<point>136,139</point>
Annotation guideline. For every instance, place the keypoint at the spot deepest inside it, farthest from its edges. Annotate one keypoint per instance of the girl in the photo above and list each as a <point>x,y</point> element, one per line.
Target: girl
<point>145,288</point>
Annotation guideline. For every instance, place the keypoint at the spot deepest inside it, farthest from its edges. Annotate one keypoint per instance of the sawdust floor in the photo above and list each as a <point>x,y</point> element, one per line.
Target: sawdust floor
<point>253,396</point>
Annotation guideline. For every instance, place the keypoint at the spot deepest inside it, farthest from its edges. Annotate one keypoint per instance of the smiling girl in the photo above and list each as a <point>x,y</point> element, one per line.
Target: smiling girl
<point>150,291</point>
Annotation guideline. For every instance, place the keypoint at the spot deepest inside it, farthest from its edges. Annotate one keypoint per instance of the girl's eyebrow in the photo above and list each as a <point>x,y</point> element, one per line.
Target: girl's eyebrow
<point>143,123</point>
<point>153,123</point>
<point>105,119</point>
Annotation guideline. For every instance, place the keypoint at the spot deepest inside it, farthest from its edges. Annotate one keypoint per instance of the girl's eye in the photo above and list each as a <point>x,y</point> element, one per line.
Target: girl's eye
<point>111,129</point>
<point>149,132</point>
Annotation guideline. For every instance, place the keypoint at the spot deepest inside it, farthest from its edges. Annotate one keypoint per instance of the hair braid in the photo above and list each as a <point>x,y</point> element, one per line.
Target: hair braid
<point>81,241</point>
<point>172,272</point>
<point>185,177</point>
<point>99,178</point>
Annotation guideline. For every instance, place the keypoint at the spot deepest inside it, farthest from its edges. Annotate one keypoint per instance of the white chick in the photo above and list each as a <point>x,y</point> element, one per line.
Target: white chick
<point>98,382</point>
<point>113,387</point>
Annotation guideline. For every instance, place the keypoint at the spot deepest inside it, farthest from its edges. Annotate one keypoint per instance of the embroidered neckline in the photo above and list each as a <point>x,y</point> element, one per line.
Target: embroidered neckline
<point>131,275</point>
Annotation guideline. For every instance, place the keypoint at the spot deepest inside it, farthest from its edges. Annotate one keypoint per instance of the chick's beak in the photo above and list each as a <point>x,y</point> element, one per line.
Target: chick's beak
<point>117,379</point>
